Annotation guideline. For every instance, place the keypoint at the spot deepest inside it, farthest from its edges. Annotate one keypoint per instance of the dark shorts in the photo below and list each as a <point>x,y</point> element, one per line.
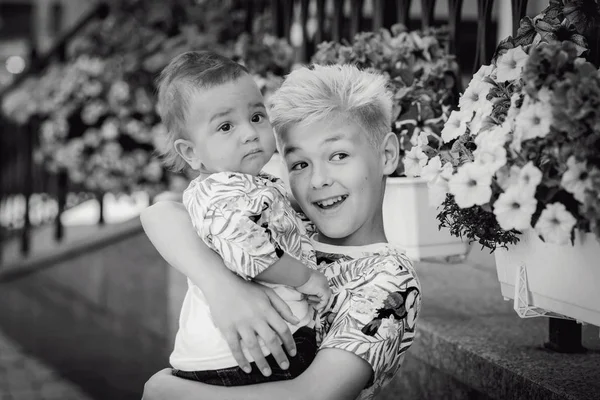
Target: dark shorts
<point>306,346</point>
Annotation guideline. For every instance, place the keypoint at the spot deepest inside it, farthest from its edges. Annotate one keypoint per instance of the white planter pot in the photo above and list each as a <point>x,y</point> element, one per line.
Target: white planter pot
<point>560,279</point>
<point>410,222</point>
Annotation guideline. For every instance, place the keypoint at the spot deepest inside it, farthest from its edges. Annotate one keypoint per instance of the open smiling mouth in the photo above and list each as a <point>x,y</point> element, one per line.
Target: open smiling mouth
<point>331,202</point>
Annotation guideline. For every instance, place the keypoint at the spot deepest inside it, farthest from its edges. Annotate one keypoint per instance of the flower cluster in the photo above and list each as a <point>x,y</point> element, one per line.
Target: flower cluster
<point>97,111</point>
<point>522,150</point>
<point>422,76</point>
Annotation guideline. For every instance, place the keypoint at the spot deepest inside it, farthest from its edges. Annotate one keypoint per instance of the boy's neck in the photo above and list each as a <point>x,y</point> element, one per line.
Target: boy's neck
<point>363,238</point>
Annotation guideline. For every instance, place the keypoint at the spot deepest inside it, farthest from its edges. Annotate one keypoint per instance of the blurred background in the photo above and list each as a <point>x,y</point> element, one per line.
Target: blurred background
<point>87,308</point>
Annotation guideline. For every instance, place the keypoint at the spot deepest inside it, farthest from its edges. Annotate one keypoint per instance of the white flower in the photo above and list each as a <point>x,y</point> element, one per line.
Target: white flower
<point>478,123</point>
<point>493,138</point>
<point>471,185</point>
<point>110,129</point>
<point>490,150</point>
<point>423,139</point>
<point>455,126</point>
<point>555,224</point>
<point>433,168</point>
<point>92,88</point>
<point>474,96</point>
<point>437,180</point>
<point>507,177</point>
<point>533,121</point>
<point>119,92</point>
<point>413,161</point>
<point>576,179</point>
<point>514,208</point>
<point>92,112</point>
<point>484,71</point>
<point>510,64</point>
<point>490,158</point>
<point>153,171</point>
<point>530,177</point>
<point>512,112</point>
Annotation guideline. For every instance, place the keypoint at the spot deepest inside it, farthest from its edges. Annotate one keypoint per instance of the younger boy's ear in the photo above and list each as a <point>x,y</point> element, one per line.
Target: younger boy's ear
<point>390,153</point>
<point>186,150</point>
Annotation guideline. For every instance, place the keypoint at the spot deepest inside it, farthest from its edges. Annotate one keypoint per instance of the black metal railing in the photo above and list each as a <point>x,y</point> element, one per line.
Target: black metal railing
<point>20,175</point>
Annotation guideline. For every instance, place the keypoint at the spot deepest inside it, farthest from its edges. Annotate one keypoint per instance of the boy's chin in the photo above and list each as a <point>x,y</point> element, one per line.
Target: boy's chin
<point>331,232</point>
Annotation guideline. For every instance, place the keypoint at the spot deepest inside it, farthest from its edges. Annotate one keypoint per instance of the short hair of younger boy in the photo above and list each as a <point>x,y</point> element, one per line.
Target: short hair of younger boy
<point>320,93</point>
<point>185,75</point>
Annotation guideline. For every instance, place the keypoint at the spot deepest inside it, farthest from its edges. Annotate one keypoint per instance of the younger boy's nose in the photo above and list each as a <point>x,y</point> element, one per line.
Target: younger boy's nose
<point>249,135</point>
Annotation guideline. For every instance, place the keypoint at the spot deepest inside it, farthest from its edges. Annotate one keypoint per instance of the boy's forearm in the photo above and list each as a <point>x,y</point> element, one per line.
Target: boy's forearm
<point>169,228</point>
<point>286,271</point>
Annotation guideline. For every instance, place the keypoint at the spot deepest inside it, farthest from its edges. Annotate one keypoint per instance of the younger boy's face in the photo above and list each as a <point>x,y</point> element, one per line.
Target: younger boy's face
<point>337,178</point>
<point>229,127</point>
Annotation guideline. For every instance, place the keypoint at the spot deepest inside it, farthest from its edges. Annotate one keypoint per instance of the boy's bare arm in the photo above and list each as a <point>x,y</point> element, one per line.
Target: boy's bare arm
<point>240,309</point>
<point>334,375</point>
<point>286,271</point>
<point>289,271</point>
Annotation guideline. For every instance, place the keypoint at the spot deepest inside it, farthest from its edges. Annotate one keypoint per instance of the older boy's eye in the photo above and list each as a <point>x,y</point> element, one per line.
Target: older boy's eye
<point>298,166</point>
<point>258,118</point>
<point>225,127</point>
<point>339,156</point>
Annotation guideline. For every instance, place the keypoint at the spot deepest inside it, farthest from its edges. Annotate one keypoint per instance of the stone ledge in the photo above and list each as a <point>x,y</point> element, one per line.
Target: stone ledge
<point>77,241</point>
<point>471,334</point>
<point>471,344</point>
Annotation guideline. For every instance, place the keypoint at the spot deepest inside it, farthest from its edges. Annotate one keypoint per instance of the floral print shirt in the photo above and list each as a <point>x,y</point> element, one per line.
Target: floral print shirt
<point>374,308</point>
<point>248,220</point>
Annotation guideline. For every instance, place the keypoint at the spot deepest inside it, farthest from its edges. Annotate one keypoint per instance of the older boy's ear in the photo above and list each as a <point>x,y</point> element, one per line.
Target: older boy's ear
<point>390,147</point>
<point>186,150</point>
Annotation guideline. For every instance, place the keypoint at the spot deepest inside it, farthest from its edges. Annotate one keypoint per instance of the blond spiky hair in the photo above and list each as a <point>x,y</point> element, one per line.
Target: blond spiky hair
<point>310,95</point>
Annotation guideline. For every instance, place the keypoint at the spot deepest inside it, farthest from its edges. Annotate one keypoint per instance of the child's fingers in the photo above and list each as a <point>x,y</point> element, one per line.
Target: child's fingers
<point>313,298</point>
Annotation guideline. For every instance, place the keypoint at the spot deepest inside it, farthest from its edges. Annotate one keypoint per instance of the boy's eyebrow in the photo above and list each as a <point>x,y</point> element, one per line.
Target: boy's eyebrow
<point>258,104</point>
<point>287,150</point>
<point>220,114</point>
<point>292,149</point>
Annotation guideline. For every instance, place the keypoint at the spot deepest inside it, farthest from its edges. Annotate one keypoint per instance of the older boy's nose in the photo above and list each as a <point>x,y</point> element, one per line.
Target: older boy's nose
<point>320,178</point>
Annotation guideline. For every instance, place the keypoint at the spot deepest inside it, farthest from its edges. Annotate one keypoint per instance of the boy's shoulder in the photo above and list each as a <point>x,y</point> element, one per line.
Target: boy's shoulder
<point>349,254</point>
<point>362,262</point>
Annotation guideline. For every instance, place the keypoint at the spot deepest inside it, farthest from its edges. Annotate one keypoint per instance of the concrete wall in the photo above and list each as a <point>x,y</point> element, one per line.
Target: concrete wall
<point>100,315</point>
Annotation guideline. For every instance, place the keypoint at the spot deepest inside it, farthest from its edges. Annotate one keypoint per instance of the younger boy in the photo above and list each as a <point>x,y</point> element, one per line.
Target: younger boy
<point>217,125</point>
<point>333,129</point>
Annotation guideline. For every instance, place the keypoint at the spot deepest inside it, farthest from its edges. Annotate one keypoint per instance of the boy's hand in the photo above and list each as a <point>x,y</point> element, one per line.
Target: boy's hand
<point>245,311</point>
<point>317,285</point>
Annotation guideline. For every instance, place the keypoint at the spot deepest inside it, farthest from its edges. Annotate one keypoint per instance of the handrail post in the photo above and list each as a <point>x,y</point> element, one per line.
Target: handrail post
<point>30,132</point>
<point>62,187</point>
<point>484,20</point>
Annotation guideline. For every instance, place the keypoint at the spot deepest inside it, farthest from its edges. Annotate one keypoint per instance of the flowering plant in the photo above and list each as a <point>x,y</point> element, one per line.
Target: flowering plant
<point>522,150</point>
<point>97,110</point>
<point>422,76</point>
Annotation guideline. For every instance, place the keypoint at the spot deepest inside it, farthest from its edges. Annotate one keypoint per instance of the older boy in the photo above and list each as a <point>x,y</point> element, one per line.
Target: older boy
<point>332,125</point>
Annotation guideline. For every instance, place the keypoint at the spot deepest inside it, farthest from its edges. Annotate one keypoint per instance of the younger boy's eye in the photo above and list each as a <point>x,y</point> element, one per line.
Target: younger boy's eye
<point>298,166</point>
<point>258,118</point>
<point>225,127</point>
<point>339,156</point>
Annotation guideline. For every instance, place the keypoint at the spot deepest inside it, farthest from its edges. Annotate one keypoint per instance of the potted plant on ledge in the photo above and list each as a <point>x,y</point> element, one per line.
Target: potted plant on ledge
<point>422,76</point>
<point>519,166</point>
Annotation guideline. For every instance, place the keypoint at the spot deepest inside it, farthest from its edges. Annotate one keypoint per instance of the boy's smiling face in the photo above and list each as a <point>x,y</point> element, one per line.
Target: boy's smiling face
<point>338,177</point>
